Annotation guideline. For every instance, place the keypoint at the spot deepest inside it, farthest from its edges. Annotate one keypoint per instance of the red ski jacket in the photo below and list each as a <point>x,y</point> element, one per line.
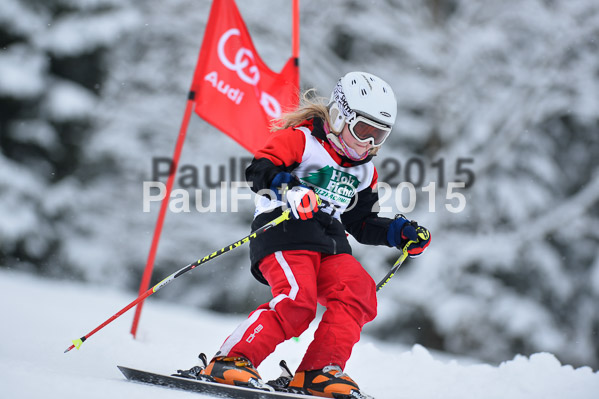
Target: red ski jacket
<point>305,150</point>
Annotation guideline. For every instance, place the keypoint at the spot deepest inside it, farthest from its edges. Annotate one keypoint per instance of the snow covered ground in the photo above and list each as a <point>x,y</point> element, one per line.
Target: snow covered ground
<point>40,317</point>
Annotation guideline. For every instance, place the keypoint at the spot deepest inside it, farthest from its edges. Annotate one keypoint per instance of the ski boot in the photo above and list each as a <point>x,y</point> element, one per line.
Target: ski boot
<point>329,382</point>
<point>237,371</point>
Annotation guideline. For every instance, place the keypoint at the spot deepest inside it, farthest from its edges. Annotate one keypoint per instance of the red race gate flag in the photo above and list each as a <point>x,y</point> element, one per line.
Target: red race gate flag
<point>235,90</point>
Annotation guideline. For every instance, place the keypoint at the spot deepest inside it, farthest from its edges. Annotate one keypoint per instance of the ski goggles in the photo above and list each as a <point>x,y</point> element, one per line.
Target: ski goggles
<point>365,130</point>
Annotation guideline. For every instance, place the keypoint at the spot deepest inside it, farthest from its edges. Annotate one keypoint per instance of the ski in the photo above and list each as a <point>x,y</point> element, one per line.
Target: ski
<point>204,387</point>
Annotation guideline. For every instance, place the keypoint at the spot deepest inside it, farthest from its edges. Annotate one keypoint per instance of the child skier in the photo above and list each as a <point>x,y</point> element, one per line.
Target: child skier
<point>318,164</point>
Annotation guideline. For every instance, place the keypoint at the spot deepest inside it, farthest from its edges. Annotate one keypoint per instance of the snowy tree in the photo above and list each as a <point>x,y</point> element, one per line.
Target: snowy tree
<point>517,270</point>
<point>52,66</point>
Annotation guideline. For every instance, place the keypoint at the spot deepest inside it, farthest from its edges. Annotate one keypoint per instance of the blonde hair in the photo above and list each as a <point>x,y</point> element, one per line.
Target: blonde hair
<point>310,106</point>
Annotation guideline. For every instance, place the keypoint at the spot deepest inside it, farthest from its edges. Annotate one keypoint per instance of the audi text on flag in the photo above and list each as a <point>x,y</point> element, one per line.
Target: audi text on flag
<point>235,90</point>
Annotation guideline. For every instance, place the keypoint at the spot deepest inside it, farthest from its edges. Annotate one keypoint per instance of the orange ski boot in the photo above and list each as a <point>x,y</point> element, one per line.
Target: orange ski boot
<point>329,382</point>
<point>233,371</point>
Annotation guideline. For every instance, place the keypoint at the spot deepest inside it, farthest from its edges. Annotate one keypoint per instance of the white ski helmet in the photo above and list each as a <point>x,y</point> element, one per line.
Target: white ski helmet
<point>362,94</point>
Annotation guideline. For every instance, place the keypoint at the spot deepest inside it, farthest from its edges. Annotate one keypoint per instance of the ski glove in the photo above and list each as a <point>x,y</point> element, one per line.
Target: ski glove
<point>302,202</point>
<point>281,181</point>
<point>401,230</point>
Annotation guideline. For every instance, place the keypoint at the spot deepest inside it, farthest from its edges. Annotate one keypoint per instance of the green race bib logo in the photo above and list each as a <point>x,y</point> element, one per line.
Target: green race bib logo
<point>333,184</point>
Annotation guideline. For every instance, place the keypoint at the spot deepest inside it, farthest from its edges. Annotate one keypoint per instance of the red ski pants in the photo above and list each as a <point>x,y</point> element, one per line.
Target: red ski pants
<point>299,280</point>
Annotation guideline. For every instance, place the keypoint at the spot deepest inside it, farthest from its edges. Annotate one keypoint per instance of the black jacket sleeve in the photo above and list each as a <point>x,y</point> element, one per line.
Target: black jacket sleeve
<point>362,220</point>
<point>260,173</point>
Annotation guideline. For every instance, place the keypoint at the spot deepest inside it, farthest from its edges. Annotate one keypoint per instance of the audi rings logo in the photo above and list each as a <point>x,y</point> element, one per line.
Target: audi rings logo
<point>244,64</point>
<point>242,59</point>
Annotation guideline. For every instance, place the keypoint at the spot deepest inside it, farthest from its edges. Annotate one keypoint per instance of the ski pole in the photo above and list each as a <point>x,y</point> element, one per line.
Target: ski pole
<point>396,266</point>
<point>284,216</point>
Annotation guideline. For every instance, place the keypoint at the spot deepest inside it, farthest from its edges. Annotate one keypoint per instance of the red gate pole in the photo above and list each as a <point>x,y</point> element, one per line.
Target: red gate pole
<point>295,30</point>
<point>145,281</point>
